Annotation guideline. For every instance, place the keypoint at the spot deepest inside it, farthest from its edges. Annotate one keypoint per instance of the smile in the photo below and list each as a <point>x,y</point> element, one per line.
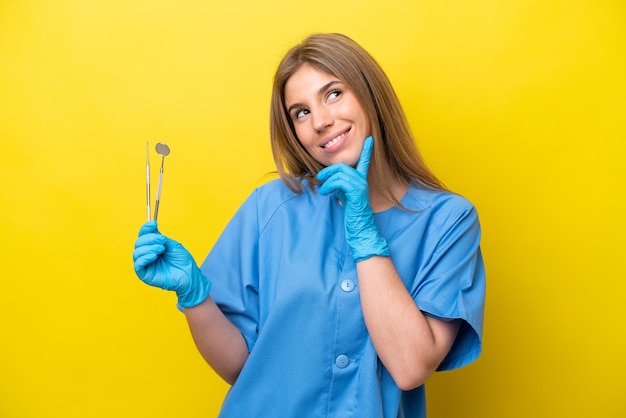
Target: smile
<point>334,140</point>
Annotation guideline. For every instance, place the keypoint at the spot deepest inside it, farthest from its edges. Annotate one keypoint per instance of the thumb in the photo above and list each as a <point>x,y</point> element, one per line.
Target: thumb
<point>148,228</point>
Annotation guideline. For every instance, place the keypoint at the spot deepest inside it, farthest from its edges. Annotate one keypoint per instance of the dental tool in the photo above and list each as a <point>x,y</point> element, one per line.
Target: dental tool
<point>163,150</point>
<point>148,181</point>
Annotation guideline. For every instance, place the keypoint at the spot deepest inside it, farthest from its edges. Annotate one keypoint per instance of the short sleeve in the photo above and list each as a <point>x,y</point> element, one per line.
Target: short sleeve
<point>452,283</point>
<point>233,267</point>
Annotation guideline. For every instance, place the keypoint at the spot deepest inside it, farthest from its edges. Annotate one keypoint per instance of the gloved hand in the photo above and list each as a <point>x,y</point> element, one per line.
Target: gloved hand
<point>350,186</point>
<point>163,262</point>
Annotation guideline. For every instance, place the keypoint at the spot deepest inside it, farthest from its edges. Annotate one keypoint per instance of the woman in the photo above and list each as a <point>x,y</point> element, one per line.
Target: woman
<point>339,290</point>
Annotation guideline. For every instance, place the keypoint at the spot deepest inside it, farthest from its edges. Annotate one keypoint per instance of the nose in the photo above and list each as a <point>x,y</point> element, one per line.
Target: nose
<point>322,119</point>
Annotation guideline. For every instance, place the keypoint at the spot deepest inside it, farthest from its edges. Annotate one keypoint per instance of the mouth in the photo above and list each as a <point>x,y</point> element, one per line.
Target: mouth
<point>335,140</point>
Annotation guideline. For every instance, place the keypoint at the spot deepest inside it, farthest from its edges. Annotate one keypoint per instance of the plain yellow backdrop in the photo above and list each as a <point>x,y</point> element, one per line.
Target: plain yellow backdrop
<point>518,105</point>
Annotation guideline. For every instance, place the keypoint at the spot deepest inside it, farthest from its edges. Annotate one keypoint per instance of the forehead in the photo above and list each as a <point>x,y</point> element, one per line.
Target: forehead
<point>305,81</point>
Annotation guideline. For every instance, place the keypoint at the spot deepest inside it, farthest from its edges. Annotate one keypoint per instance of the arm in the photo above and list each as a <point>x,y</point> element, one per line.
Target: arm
<point>410,344</point>
<point>162,262</point>
<point>219,342</point>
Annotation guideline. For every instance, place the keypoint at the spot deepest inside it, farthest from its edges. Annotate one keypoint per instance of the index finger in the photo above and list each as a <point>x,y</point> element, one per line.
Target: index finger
<point>364,160</point>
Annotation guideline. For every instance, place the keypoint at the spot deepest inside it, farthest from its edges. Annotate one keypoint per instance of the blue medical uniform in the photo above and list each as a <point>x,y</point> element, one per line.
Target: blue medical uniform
<point>284,275</point>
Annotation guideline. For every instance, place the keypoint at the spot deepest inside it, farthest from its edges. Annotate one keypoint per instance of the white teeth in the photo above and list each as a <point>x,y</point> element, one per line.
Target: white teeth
<point>333,141</point>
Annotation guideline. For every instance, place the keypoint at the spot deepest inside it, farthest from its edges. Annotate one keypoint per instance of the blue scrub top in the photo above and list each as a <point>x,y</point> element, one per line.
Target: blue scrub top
<point>284,275</point>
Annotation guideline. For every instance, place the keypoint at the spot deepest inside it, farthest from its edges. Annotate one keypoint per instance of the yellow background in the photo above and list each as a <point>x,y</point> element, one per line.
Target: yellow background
<point>518,105</point>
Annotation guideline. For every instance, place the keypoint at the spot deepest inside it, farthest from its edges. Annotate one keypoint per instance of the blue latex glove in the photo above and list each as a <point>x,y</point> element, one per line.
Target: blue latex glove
<point>350,186</point>
<point>163,262</point>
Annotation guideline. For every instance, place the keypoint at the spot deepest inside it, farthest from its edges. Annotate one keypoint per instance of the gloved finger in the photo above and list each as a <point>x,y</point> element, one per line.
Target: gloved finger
<point>350,183</point>
<point>148,227</point>
<point>150,239</point>
<point>154,249</point>
<point>145,260</point>
<point>329,189</point>
<point>331,170</point>
<point>364,160</point>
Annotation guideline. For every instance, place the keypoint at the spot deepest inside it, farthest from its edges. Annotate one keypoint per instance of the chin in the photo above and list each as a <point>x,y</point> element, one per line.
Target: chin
<point>352,162</point>
<point>347,159</point>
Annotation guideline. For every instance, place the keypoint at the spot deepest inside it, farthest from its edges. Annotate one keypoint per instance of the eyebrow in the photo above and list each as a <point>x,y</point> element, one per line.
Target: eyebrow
<point>321,91</point>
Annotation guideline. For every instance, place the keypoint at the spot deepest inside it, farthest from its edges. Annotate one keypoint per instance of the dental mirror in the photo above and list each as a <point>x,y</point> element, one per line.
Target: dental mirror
<point>163,150</point>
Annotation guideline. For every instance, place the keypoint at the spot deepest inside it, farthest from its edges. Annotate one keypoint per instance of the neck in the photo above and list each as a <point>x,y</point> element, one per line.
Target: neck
<point>380,201</point>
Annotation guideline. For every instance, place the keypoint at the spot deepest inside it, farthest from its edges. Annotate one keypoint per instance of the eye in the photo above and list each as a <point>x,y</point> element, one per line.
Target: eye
<point>300,113</point>
<point>333,94</point>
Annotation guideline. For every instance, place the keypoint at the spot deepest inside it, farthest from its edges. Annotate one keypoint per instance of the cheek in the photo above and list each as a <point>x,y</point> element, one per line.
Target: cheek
<point>308,143</point>
<point>304,139</point>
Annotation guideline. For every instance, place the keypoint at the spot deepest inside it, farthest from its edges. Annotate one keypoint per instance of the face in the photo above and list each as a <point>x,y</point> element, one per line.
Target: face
<point>329,121</point>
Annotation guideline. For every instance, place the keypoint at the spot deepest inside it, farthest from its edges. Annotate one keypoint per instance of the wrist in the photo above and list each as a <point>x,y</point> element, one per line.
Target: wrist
<point>370,246</point>
<point>197,291</point>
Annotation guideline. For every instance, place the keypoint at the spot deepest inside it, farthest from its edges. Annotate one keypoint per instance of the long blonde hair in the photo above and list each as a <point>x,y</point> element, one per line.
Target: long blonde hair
<point>394,144</point>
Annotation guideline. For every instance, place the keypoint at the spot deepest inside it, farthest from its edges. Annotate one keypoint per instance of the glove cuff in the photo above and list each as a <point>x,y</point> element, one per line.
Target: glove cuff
<point>198,290</point>
<point>373,246</point>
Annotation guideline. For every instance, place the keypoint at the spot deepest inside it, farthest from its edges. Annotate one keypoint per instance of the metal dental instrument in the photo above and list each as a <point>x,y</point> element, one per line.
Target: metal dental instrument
<point>148,180</point>
<point>163,150</point>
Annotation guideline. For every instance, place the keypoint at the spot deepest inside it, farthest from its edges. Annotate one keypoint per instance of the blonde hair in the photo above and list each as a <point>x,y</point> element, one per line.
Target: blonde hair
<point>394,144</point>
